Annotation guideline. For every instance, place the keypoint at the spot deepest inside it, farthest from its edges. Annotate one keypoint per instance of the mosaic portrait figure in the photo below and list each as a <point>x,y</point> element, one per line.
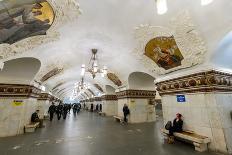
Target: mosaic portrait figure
<point>20,19</point>
<point>164,52</point>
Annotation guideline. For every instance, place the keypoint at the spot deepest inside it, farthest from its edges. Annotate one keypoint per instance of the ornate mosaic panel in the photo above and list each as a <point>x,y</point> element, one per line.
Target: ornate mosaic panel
<point>98,87</point>
<point>164,52</point>
<point>114,78</point>
<point>50,74</point>
<point>20,19</point>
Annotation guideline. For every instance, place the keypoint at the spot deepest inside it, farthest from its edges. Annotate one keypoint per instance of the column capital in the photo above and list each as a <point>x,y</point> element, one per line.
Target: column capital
<point>208,81</point>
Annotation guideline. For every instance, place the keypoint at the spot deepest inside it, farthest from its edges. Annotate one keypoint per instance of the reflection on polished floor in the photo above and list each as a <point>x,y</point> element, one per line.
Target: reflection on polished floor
<point>90,134</point>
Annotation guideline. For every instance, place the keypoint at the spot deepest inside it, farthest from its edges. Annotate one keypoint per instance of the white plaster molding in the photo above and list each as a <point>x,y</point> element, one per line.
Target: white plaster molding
<point>65,11</point>
<point>187,38</point>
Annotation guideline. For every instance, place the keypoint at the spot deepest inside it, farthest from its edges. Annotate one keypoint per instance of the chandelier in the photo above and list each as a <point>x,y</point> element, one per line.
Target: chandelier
<point>80,86</point>
<point>93,66</point>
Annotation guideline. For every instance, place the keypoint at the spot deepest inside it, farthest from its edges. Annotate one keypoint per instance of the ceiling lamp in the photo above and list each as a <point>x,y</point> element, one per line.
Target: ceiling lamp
<point>162,7</point>
<point>93,66</point>
<point>1,65</point>
<point>81,86</point>
<point>206,2</point>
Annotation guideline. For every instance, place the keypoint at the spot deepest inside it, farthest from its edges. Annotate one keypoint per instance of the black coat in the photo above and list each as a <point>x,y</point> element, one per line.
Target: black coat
<point>178,125</point>
<point>126,110</point>
<point>52,109</point>
<point>34,117</point>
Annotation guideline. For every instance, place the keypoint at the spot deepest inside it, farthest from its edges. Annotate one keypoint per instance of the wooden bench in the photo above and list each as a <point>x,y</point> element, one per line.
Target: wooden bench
<point>31,127</point>
<point>102,113</point>
<point>118,118</point>
<point>200,142</point>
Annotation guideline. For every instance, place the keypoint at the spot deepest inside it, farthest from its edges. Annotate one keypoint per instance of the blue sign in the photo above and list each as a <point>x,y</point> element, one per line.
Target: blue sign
<point>180,98</point>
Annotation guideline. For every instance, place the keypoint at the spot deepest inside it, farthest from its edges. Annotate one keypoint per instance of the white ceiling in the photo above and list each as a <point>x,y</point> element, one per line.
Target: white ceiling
<point>109,26</point>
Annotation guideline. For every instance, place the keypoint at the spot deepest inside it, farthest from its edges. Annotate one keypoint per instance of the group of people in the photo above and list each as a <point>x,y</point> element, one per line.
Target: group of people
<point>98,108</point>
<point>63,109</point>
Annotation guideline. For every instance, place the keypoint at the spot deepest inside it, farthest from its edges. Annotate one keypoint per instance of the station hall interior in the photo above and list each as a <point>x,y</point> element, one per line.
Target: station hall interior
<point>116,77</point>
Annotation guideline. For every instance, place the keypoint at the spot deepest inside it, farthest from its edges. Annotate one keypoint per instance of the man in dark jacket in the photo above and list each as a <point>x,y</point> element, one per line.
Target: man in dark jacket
<point>126,112</point>
<point>59,111</point>
<point>52,110</point>
<point>65,111</point>
<point>35,118</point>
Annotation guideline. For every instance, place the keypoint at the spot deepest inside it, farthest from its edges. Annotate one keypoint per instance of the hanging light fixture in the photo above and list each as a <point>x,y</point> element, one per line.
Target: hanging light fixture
<point>162,7</point>
<point>206,2</point>
<point>93,66</point>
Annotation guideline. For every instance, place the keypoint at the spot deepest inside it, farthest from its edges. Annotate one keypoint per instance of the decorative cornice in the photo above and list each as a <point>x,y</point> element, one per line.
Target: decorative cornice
<point>46,96</point>
<point>109,97</point>
<point>209,81</point>
<point>97,99</point>
<point>18,90</point>
<point>136,94</point>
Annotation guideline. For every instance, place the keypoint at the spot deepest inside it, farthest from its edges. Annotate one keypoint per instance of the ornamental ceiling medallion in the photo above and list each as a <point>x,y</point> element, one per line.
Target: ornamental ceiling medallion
<point>51,73</point>
<point>114,78</point>
<point>185,49</point>
<point>98,87</point>
<point>23,19</point>
<point>164,52</point>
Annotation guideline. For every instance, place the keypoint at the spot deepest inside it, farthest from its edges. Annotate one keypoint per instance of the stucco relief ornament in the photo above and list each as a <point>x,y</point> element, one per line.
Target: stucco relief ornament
<point>64,10</point>
<point>187,38</point>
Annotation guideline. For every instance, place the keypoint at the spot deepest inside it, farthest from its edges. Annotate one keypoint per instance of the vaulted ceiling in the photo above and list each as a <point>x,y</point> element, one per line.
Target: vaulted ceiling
<point>120,29</point>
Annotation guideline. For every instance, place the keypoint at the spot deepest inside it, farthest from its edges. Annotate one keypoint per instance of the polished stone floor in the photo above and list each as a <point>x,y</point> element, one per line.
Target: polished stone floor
<point>90,134</point>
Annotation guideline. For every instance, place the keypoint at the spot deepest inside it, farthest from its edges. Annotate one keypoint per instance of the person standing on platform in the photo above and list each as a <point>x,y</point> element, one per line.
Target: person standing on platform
<point>100,107</point>
<point>97,107</point>
<point>52,110</point>
<point>91,108</point>
<point>59,111</point>
<point>126,112</point>
<point>65,111</point>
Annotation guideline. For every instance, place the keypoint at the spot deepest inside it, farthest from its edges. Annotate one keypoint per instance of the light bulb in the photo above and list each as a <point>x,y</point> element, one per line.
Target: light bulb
<point>206,2</point>
<point>161,6</point>
<point>83,70</point>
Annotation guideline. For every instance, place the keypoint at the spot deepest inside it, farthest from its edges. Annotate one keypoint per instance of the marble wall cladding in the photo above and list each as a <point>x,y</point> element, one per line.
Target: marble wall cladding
<point>14,117</point>
<point>110,107</point>
<point>207,114</point>
<point>43,106</point>
<point>140,110</point>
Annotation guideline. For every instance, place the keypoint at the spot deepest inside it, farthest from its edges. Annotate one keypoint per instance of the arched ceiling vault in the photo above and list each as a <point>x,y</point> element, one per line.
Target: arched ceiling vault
<point>120,31</point>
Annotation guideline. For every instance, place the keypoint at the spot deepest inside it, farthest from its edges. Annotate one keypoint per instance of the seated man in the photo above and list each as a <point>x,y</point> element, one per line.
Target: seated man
<point>177,126</point>
<point>35,118</point>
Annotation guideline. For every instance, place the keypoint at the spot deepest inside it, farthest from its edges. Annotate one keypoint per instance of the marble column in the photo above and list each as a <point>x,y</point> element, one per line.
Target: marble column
<point>139,102</point>
<point>17,103</point>
<point>207,106</point>
<point>110,105</point>
<point>43,102</point>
